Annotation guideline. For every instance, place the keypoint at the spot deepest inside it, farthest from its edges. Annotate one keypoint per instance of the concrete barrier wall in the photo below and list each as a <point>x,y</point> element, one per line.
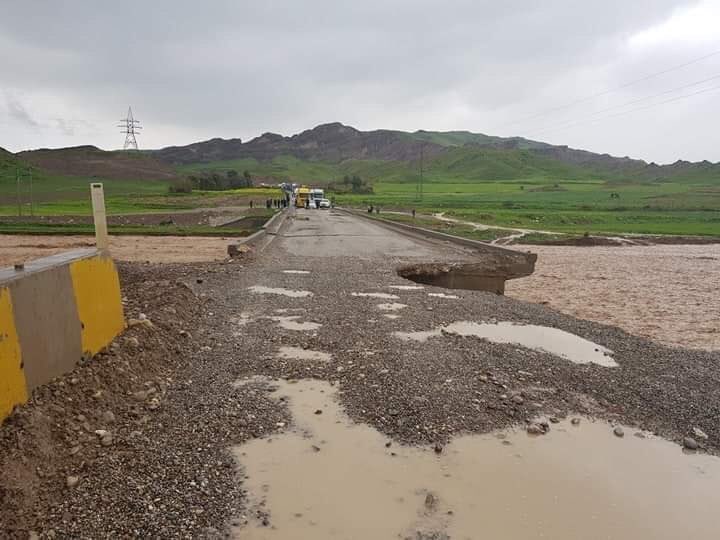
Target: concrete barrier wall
<point>53,313</point>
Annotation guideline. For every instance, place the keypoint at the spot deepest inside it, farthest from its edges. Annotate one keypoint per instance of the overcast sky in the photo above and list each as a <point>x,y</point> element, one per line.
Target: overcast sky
<point>194,70</point>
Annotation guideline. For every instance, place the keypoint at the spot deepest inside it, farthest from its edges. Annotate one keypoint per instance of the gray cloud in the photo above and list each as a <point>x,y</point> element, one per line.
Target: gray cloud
<point>237,68</point>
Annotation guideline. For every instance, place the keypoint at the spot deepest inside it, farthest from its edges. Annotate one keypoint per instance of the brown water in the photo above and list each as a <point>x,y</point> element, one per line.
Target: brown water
<point>668,293</point>
<point>330,479</point>
<point>553,340</point>
<point>290,322</point>
<point>259,289</point>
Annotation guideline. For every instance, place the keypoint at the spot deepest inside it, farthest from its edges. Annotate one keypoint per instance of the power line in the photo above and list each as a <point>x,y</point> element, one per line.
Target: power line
<point>633,102</point>
<point>605,92</point>
<point>639,108</point>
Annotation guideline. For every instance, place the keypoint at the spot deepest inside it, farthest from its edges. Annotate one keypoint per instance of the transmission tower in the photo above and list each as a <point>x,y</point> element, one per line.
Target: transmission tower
<point>130,127</point>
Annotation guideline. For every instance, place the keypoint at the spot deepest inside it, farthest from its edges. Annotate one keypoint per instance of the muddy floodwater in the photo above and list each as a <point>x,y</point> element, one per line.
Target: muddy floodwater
<point>328,478</point>
<point>668,293</point>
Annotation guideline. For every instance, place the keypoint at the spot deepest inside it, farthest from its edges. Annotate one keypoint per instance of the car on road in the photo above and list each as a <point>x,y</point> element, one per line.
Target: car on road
<point>325,203</point>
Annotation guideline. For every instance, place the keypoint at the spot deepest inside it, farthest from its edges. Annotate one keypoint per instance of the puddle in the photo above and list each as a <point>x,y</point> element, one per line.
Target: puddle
<point>406,287</point>
<point>290,323</point>
<point>296,272</point>
<point>391,316</point>
<point>386,296</point>
<point>327,478</point>
<point>394,306</point>
<point>298,353</point>
<point>443,295</point>
<point>552,340</point>
<point>259,289</point>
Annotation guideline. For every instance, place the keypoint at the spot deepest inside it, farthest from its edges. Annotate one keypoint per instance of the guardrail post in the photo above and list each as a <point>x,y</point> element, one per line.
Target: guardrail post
<point>98,204</point>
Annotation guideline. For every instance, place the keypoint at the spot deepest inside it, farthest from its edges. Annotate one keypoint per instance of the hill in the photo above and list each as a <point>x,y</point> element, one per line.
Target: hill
<point>341,149</point>
<point>91,162</point>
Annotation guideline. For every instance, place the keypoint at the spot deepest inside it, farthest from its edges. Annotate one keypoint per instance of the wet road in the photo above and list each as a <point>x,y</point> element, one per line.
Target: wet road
<point>330,233</point>
<point>388,437</point>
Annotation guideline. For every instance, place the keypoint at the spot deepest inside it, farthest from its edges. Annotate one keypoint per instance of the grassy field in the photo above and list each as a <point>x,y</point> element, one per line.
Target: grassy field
<point>572,207</point>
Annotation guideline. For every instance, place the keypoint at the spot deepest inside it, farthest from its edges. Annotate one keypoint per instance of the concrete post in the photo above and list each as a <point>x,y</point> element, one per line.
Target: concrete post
<point>98,204</point>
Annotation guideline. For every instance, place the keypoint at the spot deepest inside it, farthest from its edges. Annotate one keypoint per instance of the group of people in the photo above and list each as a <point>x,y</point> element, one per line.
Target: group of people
<point>276,203</point>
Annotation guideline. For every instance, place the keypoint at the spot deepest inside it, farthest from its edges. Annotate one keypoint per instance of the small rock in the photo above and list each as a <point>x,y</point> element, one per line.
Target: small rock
<point>554,420</point>
<point>438,448</point>
<point>141,395</point>
<point>535,429</point>
<point>142,317</point>
<point>575,421</point>
<point>72,481</point>
<point>518,399</point>
<point>699,433</point>
<point>388,444</point>
<point>109,417</point>
<point>153,404</point>
<point>318,411</point>
<point>690,444</point>
<point>133,341</point>
<point>430,502</point>
<point>618,431</point>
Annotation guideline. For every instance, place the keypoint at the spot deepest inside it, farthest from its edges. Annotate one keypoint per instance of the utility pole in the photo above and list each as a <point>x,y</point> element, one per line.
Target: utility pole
<point>419,187</point>
<point>32,211</point>
<point>129,127</point>
<point>17,191</point>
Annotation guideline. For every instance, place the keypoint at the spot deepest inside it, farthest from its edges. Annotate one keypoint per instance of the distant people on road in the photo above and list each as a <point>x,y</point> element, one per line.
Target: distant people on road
<point>251,203</point>
<point>370,209</point>
<point>413,213</point>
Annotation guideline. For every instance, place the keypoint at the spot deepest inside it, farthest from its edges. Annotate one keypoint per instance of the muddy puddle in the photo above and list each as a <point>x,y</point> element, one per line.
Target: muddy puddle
<point>290,322</point>
<point>544,338</point>
<point>259,289</point>
<point>328,478</point>
<point>391,306</point>
<point>385,296</point>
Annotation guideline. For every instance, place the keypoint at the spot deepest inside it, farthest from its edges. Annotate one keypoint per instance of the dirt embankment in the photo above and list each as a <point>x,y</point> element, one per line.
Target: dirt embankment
<point>131,443</point>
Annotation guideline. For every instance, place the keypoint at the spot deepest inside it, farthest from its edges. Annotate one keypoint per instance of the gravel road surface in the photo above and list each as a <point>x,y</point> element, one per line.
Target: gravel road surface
<point>323,302</point>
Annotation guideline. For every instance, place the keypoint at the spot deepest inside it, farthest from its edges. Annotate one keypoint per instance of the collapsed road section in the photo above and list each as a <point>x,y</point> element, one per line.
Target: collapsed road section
<point>258,383</point>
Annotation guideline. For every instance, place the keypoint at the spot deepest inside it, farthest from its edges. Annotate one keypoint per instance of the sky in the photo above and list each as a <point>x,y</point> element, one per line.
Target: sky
<point>604,76</point>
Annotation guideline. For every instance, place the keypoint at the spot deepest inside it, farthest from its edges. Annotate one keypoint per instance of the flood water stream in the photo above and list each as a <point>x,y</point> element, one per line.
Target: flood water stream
<point>329,478</point>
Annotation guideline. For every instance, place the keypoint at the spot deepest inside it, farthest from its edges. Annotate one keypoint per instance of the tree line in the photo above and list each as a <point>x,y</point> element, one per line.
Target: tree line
<point>213,181</point>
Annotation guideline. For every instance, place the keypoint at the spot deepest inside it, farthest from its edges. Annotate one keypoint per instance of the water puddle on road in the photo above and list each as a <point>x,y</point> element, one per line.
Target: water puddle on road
<point>259,289</point>
<point>391,316</point>
<point>443,295</point>
<point>298,353</point>
<point>327,478</point>
<point>392,306</point>
<point>406,287</point>
<point>385,296</point>
<point>290,322</point>
<point>296,271</point>
<point>552,340</point>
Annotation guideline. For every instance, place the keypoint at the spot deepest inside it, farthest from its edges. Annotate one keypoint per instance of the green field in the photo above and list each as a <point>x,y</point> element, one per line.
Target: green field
<point>571,207</point>
<point>516,188</point>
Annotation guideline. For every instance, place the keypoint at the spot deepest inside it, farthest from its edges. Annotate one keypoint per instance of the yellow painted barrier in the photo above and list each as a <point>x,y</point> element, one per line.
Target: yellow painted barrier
<point>13,389</point>
<point>54,312</point>
<point>99,304</point>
